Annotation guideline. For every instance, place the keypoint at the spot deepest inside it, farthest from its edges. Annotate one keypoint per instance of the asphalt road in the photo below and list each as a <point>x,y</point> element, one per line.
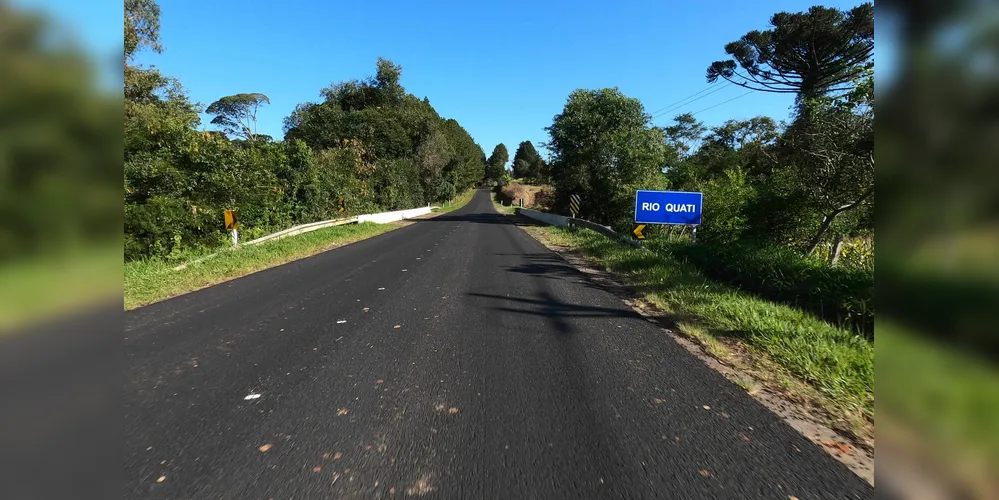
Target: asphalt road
<point>453,358</point>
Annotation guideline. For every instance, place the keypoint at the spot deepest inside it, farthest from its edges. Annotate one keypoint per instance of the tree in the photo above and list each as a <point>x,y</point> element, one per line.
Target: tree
<point>685,132</point>
<point>142,26</point>
<point>237,114</point>
<point>747,144</point>
<point>806,53</point>
<point>527,163</point>
<point>835,154</point>
<point>603,147</point>
<point>496,165</point>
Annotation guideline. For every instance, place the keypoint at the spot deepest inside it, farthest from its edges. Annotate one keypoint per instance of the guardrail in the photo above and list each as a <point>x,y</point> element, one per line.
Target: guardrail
<point>303,228</point>
<point>382,218</point>
<point>561,220</point>
<point>547,218</point>
<point>379,218</point>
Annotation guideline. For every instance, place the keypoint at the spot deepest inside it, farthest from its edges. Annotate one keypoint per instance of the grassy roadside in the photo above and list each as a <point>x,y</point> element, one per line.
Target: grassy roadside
<point>460,201</point>
<point>503,209</point>
<point>785,345</point>
<point>152,280</point>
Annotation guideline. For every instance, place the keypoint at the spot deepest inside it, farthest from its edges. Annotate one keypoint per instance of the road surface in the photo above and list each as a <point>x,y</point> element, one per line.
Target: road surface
<point>453,358</point>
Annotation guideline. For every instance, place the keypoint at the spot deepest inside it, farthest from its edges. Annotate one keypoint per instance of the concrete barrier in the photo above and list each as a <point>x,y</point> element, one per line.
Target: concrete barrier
<point>384,217</point>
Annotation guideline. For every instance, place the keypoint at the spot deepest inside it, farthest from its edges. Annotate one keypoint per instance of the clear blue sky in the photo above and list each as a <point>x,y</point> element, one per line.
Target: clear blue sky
<point>502,69</point>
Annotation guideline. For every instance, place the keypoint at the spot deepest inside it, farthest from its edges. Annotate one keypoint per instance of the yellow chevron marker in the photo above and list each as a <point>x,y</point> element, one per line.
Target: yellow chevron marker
<point>230,220</point>
<point>638,231</point>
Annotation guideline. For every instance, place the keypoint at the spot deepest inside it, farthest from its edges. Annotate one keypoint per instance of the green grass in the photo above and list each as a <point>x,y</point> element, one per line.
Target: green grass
<point>836,363</point>
<point>841,295</point>
<point>44,287</point>
<point>152,280</point>
<point>459,202</point>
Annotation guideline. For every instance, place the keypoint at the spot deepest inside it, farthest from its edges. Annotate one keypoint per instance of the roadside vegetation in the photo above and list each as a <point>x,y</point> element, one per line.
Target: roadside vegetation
<point>367,146</point>
<point>157,278</point>
<point>460,201</point>
<point>836,362</point>
<point>784,260</point>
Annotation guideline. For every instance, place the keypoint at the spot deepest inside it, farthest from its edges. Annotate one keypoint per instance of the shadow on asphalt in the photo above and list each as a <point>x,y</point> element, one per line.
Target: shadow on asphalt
<point>547,306</point>
<point>517,220</point>
<point>548,266</point>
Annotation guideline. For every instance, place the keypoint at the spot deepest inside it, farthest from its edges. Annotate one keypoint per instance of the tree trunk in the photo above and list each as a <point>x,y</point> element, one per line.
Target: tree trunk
<point>836,250</point>
<point>827,221</point>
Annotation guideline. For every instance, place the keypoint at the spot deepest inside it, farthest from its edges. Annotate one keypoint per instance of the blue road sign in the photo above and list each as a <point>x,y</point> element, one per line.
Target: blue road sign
<point>668,207</point>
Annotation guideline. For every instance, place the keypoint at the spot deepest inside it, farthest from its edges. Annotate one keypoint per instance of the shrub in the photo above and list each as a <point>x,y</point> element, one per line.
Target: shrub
<point>840,295</point>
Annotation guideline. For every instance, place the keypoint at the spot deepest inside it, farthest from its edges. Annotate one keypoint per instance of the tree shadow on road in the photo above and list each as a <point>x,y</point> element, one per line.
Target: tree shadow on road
<point>547,306</point>
<point>495,218</point>
<point>547,266</point>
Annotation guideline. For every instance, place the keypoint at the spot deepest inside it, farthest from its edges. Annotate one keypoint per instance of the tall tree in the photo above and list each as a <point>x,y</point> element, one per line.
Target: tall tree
<point>528,163</point>
<point>237,114</point>
<point>603,147</point>
<point>684,133</point>
<point>142,26</point>
<point>835,156</point>
<point>496,165</point>
<point>806,53</point>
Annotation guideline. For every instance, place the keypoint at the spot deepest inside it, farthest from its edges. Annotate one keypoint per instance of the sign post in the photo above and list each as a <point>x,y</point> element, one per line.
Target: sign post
<point>669,208</point>
<point>232,223</point>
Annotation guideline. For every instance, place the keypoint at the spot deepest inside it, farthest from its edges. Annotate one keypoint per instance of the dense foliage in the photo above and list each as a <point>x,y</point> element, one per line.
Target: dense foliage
<point>842,295</point>
<point>800,185</point>
<point>496,164</point>
<point>807,53</point>
<point>367,146</point>
<point>603,148</point>
<point>528,164</point>
<point>783,201</point>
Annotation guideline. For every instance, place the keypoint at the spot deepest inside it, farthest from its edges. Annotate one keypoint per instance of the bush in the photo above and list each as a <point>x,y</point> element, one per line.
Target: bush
<point>544,200</point>
<point>724,215</point>
<point>842,296</point>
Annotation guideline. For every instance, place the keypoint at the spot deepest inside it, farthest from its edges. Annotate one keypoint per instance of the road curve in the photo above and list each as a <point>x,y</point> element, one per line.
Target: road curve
<point>453,358</point>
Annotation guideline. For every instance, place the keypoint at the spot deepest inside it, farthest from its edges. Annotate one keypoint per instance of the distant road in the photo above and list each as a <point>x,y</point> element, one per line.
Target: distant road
<point>453,358</point>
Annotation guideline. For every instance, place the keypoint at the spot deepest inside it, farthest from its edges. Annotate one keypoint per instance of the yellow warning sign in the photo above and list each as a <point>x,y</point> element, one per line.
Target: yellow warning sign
<point>574,205</point>
<point>230,220</point>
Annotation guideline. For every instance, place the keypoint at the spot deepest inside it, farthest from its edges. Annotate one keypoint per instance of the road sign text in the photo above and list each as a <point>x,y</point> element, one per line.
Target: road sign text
<point>668,207</point>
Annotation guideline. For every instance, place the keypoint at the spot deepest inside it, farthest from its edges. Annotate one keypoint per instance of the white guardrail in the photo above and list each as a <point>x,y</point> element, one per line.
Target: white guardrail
<point>303,228</point>
<point>384,217</point>
<point>379,218</point>
<point>561,220</point>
